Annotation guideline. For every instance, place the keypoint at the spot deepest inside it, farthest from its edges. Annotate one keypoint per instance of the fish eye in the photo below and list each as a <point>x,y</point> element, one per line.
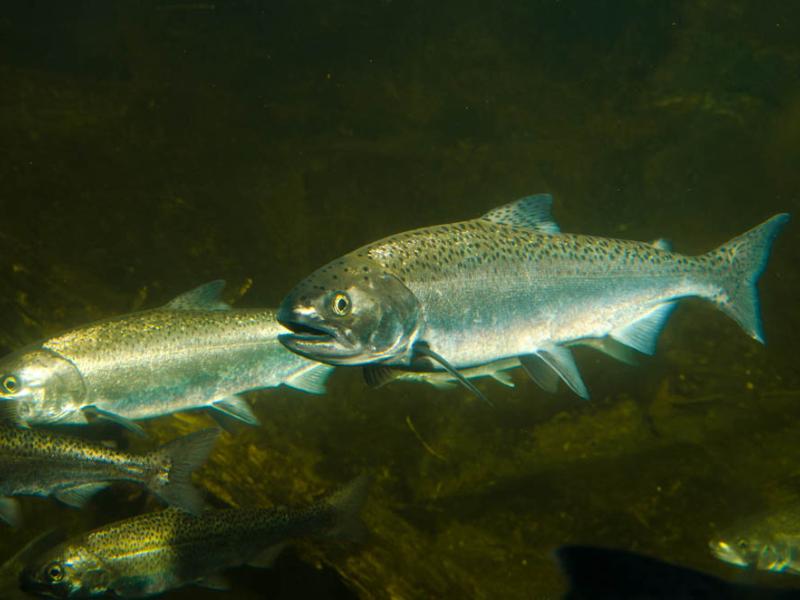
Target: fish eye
<point>54,572</point>
<point>10,384</point>
<point>742,543</point>
<point>340,304</point>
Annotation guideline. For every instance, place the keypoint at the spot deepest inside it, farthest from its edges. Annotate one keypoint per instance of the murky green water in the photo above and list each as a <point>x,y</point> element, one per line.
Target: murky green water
<point>151,146</point>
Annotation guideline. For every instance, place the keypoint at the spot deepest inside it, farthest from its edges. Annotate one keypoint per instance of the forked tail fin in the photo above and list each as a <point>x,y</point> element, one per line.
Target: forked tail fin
<point>346,505</point>
<point>184,455</point>
<point>741,262</point>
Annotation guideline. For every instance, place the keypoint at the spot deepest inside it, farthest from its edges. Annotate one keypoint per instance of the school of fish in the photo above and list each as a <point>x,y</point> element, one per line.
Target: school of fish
<point>443,305</point>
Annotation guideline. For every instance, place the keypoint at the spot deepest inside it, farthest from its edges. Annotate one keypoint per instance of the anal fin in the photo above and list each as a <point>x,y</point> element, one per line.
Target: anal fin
<point>642,334</point>
<point>77,496</point>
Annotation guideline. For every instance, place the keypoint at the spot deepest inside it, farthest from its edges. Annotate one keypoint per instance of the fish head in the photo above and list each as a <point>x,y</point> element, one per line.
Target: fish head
<point>751,547</point>
<point>66,571</point>
<point>40,385</point>
<point>351,312</point>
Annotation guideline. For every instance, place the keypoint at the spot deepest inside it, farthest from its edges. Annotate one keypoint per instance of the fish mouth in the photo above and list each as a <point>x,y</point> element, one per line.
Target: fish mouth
<point>317,342</point>
<point>29,585</point>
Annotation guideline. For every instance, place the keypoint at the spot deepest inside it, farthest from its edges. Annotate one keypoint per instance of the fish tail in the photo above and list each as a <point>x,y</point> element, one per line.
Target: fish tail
<point>742,261</point>
<point>346,505</point>
<point>183,456</point>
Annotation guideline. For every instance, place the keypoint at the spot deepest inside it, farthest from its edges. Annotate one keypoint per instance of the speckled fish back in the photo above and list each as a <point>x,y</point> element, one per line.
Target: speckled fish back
<point>443,252</point>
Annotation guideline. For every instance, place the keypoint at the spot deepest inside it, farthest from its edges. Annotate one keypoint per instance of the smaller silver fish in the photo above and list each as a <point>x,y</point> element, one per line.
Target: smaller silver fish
<point>768,541</point>
<point>195,352</point>
<point>160,551</point>
<point>38,463</point>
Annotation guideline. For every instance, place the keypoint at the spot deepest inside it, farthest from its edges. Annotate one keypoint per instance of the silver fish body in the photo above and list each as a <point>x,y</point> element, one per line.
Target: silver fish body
<point>510,284</point>
<point>195,352</point>
<point>39,463</point>
<point>156,552</point>
<point>769,541</point>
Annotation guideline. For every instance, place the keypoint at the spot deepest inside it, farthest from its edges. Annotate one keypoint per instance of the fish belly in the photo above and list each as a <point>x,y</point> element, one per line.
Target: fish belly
<point>483,319</point>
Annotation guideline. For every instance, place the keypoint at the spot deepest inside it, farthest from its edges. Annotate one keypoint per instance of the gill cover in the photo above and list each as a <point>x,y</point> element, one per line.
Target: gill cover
<point>67,571</point>
<point>350,312</point>
<point>45,385</point>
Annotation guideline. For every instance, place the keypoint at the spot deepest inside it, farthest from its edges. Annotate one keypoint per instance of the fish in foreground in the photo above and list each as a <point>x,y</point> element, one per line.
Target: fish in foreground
<point>606,573</point>
<point>39,463</point>
<point>511,284</point>
<point>11,568</point>
<point>195,352</point>
<point>156,552</point>
<point>769,541</point>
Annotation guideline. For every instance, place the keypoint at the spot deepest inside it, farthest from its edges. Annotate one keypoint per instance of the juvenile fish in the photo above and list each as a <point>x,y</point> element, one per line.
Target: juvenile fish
<point>195,352</point>
<point>768,541</point>
<point>12,567</point>
<point>160,551</point>
<point>38,463</point>
<point>511,284</point>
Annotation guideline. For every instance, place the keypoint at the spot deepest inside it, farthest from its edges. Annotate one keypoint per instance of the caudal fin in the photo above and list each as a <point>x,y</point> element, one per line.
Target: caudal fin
<point>741,262</point>
<point>183,456</point>
<point>346,505</point>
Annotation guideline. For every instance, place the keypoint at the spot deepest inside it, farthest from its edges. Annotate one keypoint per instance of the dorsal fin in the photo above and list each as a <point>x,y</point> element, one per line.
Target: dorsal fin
<point>662,244</point>
<point>204,297</point>
<point>531,211</point>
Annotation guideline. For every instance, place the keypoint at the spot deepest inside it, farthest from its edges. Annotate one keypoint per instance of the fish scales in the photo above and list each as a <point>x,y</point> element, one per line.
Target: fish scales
<point>510,284</point>
<point>40,463</point>
<point>155,552</point>
<point>195,352</point>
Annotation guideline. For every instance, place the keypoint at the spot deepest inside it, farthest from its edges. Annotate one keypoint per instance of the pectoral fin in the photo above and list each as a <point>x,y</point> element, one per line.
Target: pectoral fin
<point>77,496</point>
<point>94,412</point>
<point>238,408</point>
<point>422,349</point>
<point>312,379</point>
<point>9,412</point>
<point>560,360</point>
<point>642,334</point>
<point>376,376</point>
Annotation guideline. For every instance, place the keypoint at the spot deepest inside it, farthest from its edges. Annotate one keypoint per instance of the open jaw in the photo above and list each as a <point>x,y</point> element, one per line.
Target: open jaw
<point>318,342</point>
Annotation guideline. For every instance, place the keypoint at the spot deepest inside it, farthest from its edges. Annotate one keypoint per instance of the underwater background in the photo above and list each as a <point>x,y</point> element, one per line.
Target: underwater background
<point>151,146</point>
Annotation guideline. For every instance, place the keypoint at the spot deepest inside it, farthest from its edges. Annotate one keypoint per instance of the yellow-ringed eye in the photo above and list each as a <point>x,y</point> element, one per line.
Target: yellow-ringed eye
<point>10,384</point>
<point>55,572</point>
<point>340,304</point>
